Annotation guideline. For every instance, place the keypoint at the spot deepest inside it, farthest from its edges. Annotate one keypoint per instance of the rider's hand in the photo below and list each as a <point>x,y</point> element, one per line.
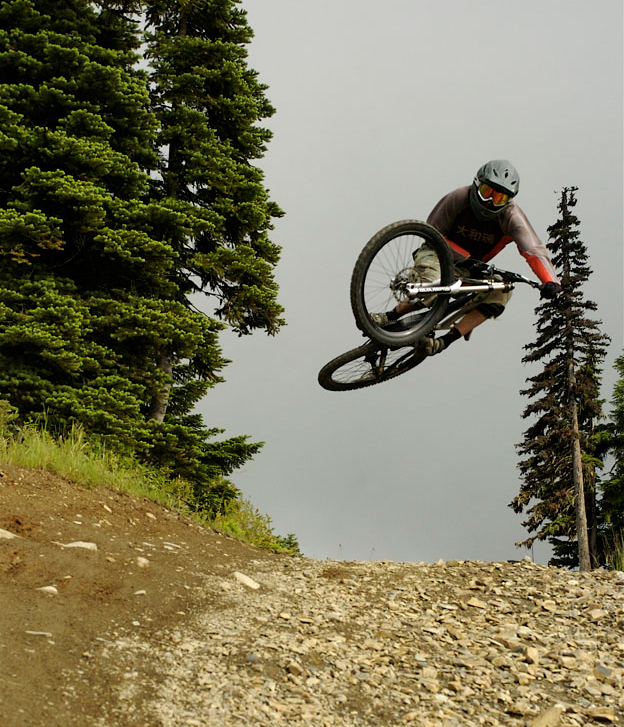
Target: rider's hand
<point>476,268</point>
<point>550,289</point>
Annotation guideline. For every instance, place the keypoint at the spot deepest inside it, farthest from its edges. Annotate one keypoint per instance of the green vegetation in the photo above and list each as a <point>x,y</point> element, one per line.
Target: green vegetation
<point>615,556</point>
<point>610,446</point>
<point>564,447</point>
<point>127,191</point>
<point>86,461</point>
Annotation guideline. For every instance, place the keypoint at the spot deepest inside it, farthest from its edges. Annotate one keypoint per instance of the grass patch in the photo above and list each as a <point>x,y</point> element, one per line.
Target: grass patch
<point>84,460</point>
<point>243,521</point>
<point>615,559</point>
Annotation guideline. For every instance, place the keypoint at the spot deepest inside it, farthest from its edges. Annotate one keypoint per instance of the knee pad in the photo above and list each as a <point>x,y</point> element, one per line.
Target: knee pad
<point>491,310</point>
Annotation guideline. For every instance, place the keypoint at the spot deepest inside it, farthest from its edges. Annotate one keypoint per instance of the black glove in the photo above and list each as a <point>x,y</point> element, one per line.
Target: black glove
<point>549,290</point>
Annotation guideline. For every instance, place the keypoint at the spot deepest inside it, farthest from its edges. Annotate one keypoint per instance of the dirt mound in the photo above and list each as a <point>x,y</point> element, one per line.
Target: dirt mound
<point>145,575</point>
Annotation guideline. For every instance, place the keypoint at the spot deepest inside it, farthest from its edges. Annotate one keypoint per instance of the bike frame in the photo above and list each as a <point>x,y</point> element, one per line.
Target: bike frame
<point>465,293</point>
<point>377,361</point>
<point>417,290</point>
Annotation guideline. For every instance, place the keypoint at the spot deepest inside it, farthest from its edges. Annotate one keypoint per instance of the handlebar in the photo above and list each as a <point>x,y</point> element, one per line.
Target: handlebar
<point>483,271</point>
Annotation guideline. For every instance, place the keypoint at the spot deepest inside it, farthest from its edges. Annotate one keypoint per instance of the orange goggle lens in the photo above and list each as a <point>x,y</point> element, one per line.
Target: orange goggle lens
<point>488,193</point>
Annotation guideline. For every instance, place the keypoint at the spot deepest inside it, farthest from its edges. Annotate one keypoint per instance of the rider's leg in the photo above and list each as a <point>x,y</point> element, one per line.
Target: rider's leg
<point>400,309</point>
<point>407,306</point>
<point>462,328</point>
<point>493,306</point>
<point>390,316</point>
<point>426,269</point>
<point>470,321</point>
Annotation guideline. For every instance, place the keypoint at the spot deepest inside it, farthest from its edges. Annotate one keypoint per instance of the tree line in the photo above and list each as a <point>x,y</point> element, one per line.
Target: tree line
<point>569,443</point>
<point>129,134</point>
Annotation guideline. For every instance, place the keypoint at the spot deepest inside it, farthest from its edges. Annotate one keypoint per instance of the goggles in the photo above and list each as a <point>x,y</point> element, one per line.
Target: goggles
<point>487,193</point>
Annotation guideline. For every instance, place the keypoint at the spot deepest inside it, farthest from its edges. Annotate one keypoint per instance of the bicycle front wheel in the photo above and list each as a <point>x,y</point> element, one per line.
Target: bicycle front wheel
<point>367,365</point>
<point>386,265</point>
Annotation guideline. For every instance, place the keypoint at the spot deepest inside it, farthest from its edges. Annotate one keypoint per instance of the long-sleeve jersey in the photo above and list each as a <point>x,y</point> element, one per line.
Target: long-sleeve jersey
<point>469,236</point>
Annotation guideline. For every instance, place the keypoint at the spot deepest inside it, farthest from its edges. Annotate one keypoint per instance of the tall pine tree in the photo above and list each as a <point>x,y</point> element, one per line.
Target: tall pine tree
<point>77,263</point>
<point>100,245</point>
<point>209,105</point>
<point>558,493</point>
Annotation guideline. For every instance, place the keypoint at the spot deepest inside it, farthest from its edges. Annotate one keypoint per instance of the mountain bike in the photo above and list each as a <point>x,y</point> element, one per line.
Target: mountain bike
<point>395,267</point>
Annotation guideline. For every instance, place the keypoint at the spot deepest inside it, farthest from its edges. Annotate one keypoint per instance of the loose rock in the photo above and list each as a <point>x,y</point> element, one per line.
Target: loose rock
<point>246,580</point>
<point>80,544</point>
<point>377,644</point>
<point>53,590</point>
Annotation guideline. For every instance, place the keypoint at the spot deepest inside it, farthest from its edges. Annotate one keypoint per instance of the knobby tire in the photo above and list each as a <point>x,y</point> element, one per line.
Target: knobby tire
<point>387,242</point>
<point>352,370</point>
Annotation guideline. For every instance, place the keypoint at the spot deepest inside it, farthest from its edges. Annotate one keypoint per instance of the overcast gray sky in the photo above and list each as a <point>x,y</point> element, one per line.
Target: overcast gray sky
<point>381,109</point>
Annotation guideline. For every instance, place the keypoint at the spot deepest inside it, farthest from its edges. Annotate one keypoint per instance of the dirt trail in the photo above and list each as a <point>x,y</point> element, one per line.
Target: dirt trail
<point>145,619</point>
<point>49,643</point>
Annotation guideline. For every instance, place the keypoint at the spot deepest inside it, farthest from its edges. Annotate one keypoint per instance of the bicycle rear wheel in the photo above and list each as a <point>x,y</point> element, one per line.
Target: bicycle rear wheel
<point>381,274</point>
<point>367,365</point>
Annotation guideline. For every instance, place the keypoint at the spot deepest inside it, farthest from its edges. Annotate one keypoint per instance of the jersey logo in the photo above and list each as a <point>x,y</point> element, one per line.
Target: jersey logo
<point>476,235</point>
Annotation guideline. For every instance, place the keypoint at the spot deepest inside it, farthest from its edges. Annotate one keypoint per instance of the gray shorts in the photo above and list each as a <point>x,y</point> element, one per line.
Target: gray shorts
<point>427,268</point>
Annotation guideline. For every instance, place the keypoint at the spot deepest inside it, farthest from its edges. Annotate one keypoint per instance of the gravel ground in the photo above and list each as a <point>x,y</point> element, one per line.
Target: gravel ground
<point>154,622</point>
<point>336,644</point>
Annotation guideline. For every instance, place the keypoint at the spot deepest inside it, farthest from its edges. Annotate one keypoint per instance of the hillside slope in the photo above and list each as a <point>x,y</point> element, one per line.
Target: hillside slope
<point>152,621</point>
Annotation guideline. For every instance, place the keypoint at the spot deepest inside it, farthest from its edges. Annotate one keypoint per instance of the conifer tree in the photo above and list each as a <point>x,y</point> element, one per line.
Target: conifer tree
<point>610,442</point>
<point>558,492</point>
<point>209,105</point>
<point>77,264</point>
<point>101,240</point>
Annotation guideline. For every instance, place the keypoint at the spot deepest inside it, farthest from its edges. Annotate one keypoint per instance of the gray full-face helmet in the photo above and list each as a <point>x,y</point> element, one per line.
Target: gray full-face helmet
<point>494,186</point>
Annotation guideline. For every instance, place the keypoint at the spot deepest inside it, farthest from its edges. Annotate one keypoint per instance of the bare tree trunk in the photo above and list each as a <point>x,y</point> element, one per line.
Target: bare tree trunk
<point>577,473</point>
<point>159,404</point>
<point>158,407</point>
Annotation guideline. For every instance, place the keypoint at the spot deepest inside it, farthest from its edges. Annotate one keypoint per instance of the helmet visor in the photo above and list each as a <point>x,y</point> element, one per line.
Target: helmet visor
<point>487,193</point>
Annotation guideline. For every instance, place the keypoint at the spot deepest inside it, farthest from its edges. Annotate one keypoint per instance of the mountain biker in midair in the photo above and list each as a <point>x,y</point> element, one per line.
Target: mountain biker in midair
<point>478,221</point>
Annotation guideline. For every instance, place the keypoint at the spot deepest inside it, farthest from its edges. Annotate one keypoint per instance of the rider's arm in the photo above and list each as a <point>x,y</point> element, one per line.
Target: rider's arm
<point>515,224</point>
<point>444,214</point>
